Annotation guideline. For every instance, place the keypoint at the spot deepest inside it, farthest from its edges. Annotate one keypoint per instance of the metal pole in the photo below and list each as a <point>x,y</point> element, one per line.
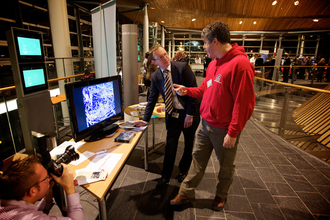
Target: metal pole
<point>9,124</point>
<point>262,76</point>
<point>284,111</point>
<point>146,158</point>
<point>103,209</point>
<point>163,36</point>
<point>145,30</point>
<point>317,46</point>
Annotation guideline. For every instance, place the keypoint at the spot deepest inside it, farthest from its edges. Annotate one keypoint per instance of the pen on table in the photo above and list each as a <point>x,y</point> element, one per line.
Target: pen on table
<point>105,150</point>
<point>117,145</point>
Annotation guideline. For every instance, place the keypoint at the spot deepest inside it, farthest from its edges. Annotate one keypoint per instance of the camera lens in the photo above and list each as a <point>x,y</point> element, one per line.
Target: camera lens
<point>68,156</point>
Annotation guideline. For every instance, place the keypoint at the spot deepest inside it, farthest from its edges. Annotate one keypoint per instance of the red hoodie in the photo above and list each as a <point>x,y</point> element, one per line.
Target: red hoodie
<point>227,91</point>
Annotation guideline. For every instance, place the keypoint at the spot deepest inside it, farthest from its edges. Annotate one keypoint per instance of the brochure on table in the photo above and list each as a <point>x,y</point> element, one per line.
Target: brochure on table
<point>130,126</point>
<point>101,165</point>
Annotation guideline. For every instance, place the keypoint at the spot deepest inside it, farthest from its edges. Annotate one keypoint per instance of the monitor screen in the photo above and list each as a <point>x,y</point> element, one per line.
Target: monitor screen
<point>94,105</point>
<point>29,47</point>
<point>34,78</point>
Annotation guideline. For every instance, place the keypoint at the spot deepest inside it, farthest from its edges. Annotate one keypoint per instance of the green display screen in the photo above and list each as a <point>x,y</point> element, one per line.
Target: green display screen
<point>29,46</point>
<point>34,77</point>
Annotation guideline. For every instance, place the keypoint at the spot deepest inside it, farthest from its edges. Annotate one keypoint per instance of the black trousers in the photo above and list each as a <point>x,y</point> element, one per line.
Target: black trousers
<point>174,128</point>
<point>286,74</point>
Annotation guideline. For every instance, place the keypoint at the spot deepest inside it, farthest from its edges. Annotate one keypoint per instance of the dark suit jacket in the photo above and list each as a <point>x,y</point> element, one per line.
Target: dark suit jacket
<point>182,75</point>
<point>259,62</point>
<point>184,59</point>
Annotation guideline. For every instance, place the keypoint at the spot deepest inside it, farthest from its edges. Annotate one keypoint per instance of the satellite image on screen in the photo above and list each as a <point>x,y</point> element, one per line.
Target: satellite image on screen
<point>29,46</point>
<point>99,102</point>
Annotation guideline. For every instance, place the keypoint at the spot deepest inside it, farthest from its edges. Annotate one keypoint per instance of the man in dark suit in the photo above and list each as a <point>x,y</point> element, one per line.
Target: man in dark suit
<point>185,57</point>
<point>287,63</point>
<point>182,113</point>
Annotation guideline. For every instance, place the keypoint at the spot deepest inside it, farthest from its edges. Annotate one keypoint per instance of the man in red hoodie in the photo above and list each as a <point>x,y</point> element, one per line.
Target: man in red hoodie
<point>227,103</point>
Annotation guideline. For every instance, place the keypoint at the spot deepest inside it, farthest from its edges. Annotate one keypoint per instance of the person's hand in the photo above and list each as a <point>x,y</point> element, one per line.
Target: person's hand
<point>180,90</point>
<point>188,121</point>
<point>229,142</point>
<point>49,195</point>
<point>66,180</point>
<point>139,124</point>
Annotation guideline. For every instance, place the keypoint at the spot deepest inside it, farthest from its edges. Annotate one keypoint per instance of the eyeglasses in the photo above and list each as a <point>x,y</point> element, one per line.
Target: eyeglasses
<point>47,178</point>
<point>163,57</point>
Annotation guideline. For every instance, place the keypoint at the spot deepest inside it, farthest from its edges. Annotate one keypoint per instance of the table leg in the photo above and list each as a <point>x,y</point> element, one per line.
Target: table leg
<point>146,159</point>
<point>153,133</point>
<point>102,209</point>
<point>155,147</point>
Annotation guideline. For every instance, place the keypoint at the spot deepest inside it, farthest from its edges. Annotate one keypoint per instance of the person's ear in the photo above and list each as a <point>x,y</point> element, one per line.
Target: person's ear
<point>154,62</point>
<point>33,190</point>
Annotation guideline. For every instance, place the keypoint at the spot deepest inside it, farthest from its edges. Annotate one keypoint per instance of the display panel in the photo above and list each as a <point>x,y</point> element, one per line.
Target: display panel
<point>29,47</point>
<point>33,78</point>
<point>93,106</point>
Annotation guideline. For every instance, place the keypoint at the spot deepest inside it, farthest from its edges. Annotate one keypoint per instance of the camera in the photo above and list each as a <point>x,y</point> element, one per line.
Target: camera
<point>54,166</point>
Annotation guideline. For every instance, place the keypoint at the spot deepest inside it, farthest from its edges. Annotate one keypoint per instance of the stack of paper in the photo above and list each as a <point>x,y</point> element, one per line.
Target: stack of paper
<point>102,162</point>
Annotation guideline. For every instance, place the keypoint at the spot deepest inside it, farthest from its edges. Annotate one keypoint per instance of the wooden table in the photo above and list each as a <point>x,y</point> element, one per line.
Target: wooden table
<point>58,99</point>
<point>130,111</point>
<point>99,189</point>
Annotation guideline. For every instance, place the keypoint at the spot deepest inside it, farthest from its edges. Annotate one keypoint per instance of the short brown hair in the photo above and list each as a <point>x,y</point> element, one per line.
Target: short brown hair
<point>18,178</point>
<point>218,30</point>
<point>153,49</point>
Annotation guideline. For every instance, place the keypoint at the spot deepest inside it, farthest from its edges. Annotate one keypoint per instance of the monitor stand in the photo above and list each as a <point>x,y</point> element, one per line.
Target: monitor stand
<point>100,134</point>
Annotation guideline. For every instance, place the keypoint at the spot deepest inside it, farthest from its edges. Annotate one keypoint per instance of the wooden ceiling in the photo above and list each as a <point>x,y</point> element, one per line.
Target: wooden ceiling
<point>284,16</point>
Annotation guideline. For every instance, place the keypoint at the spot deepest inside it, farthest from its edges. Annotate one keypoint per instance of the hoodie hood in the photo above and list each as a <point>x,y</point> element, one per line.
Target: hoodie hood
<point>234,51</point>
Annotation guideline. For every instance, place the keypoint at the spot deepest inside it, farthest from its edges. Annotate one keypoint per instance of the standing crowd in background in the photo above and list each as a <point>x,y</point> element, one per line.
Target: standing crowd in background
<point>299,67</point>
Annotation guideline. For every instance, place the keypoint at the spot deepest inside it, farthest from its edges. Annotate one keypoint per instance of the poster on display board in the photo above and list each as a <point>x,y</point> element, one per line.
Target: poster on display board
<point>264,54</point>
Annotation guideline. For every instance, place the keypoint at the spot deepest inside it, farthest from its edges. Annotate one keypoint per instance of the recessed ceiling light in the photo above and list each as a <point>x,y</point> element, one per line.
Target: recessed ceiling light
<point>194,19</point>
<point>316,20</point>
<point>240,22</point>
<point>296,3</point>
<point>254,22</point>
<point>162,21</point>
<point>274,2</point>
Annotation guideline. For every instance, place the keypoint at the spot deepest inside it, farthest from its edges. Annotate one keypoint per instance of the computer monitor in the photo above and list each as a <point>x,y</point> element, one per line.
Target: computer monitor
<point>94,106</point>
<point>33,77</point>
<point>28,46</point>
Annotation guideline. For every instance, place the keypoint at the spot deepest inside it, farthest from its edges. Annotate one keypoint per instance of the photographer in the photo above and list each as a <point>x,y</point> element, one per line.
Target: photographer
<point>25,182</point>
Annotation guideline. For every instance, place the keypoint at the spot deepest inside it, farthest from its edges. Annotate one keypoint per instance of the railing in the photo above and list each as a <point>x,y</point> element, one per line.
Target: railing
<point>278,108</point>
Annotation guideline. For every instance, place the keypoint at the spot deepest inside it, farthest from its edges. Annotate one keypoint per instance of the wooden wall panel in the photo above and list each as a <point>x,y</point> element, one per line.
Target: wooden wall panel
<point>283,16</point>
